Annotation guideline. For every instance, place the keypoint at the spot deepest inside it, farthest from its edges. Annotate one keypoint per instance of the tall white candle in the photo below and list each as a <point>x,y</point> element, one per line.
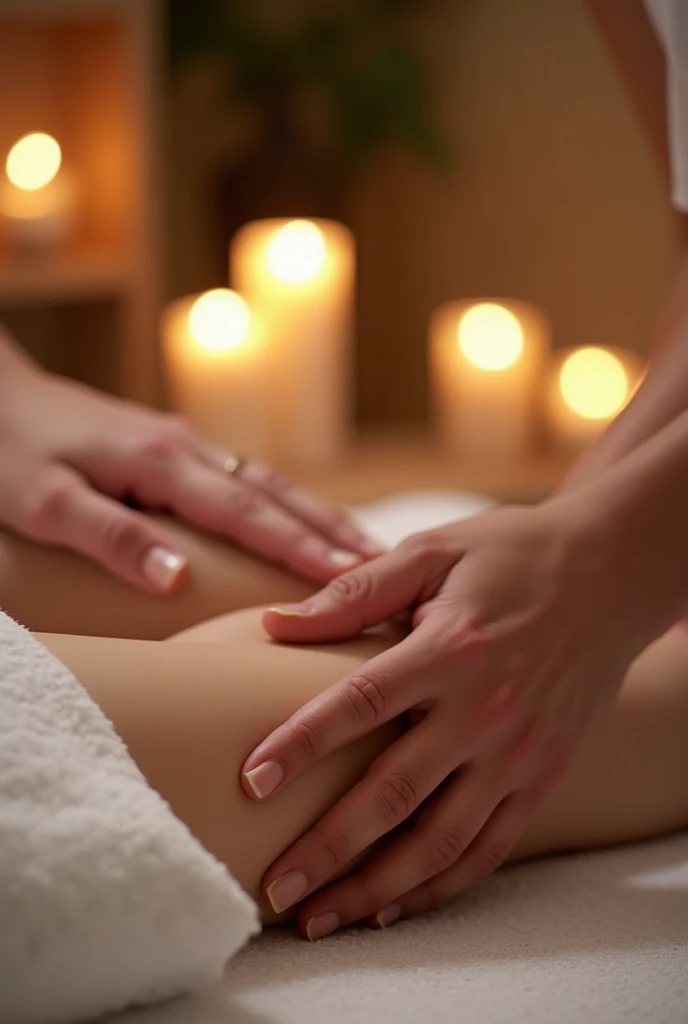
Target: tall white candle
<point>37,194</point>
<point>486,360</point>
<point>214,364</point>
<point>588,386</point>
<point>298,277</point>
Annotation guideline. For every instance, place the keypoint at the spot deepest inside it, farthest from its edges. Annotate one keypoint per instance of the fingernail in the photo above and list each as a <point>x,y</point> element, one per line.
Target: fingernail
<point>162,567</point>
<point>265,778</point>
<point>388,916</point>
<point>343,559</point>
<point>319,927</point>
<point>292,610</point>
<point>287,890</point>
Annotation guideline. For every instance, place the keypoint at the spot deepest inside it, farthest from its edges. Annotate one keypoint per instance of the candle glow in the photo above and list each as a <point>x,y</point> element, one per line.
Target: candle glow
<point>220,320</point>
<point>297,252</point>
<point>33,161</point>
<point>490,336</point>
<point>594,383</point>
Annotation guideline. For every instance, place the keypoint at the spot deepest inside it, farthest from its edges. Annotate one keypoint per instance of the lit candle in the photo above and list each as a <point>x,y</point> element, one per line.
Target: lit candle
<point>214,368</point>
<point>37,194</point>
<point>486,359</point>
<point>588,387</point>
<point>298,276</point>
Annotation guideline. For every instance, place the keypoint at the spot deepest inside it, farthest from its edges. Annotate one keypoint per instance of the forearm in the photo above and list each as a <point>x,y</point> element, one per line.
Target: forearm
<point>661,398</point>
<point>637,512</point>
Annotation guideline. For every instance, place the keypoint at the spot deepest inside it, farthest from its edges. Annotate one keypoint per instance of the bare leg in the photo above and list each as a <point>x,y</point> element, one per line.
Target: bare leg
<point>55,591</point>
<point>191,711</point>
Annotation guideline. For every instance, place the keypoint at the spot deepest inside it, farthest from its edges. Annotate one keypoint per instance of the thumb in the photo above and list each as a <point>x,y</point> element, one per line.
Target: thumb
<point>126,543</point>
<point>364,597</point>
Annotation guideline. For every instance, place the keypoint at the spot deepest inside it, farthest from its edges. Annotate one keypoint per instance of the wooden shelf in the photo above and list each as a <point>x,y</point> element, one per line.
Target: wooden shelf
<point>381,464</point>
<point>81,277</point>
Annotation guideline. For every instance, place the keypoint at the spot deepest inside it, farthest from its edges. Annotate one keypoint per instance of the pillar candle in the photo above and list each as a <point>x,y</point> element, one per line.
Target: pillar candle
<point>215,369</point>
<point>37,194</point>
<point>587,387</point>
<point>486,362</point>
<point>298,276</point>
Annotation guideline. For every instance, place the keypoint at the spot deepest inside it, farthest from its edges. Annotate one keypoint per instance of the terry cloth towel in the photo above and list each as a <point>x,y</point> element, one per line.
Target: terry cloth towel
<point>106,900</point>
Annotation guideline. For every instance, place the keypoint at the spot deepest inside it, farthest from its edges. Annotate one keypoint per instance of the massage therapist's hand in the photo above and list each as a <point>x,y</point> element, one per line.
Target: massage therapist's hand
<point>524,624</point>
<point>67,454</point>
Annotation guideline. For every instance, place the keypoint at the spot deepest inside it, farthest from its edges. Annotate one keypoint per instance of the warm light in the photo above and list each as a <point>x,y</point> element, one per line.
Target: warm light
<point>297,252</point>
<point>33,161</point>
<point>220,320</point>
<point>490,336</point>
<point>594,383</point>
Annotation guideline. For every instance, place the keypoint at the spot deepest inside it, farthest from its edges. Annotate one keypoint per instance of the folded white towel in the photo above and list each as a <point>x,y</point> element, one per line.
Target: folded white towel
<point>106,899</point>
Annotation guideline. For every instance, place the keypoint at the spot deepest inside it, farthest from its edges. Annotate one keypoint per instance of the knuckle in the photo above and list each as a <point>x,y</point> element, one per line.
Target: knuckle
<point>304,737</point>
<point>164,438</point>
<point>334,846</point>
<point>46,504</point>
<point>121,536</point>
<point>351,587</point>
<point>444,848</point>
<point>489,857</point>
<point>242,501</point>
<point>274,481</point>
<point>364,699</point>
<point>422,547</point>
<point>397,798</point>
<point>467,639</point>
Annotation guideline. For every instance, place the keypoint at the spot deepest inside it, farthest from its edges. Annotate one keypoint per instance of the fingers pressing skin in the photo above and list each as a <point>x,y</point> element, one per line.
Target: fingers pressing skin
<point>232,507</point>
<point>333,523</point>
<point>434,845</point>
<point>64,510</point>
<point>487,853</point>
<point>363,597</point>
<point>330,523</point>
<point>357,705</point>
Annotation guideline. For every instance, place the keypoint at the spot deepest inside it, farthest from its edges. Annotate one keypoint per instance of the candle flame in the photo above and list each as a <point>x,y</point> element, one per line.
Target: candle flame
<point>33,161</point>
<point>593,382</point>
<point>297,252</point>
<point>490,336</point>
<point>220,320</point>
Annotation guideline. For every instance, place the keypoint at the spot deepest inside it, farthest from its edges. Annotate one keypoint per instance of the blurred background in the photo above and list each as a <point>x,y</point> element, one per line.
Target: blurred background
<point>476,151</point>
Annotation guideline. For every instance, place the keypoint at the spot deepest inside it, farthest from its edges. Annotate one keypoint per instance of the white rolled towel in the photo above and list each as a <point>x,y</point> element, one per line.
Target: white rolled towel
<point>106,900</point>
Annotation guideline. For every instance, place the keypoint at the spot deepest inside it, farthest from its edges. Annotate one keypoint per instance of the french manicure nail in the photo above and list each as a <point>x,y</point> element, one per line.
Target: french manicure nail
<point>265,778</point>
<point>297,611</point>
<point>343,559</point>
<point>162,567</point>
<point>325,924</point>
<point>287,890</point>
<point>388,916</point>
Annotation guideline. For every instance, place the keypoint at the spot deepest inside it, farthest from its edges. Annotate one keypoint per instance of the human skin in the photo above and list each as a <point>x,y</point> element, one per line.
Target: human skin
<point>189,711</point>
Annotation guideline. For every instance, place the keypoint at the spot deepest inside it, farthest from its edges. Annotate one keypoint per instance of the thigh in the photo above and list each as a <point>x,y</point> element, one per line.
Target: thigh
<point>55,591</point>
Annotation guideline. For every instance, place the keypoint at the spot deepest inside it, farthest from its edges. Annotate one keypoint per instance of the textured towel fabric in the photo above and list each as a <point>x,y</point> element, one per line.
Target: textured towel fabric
<point>599,938</point>
<point>106,900</point>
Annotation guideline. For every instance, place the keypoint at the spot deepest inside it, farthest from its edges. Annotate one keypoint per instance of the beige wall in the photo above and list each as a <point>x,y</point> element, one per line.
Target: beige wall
<point>553,196</point>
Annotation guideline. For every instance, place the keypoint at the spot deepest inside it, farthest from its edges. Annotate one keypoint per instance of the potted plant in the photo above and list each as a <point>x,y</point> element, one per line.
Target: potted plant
<point>327,83</point>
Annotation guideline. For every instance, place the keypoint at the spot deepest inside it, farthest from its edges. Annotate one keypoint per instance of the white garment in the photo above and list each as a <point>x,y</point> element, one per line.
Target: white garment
<point>670,20</point>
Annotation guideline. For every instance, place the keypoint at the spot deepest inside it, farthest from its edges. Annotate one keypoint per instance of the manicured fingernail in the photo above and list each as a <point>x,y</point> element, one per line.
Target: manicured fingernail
<point>162,567</point>
<point>388,916</point>
<point>287,890</point>
<point>319,927</point>
<point>266,777</point>
<point>343,559</point>
<point>297,611</point>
